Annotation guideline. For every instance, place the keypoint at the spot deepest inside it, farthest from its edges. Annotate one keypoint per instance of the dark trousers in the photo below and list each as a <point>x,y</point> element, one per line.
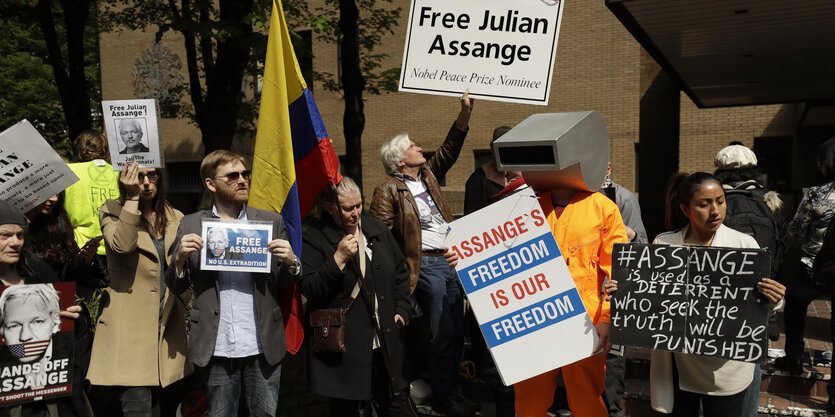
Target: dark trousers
<point>148,402</point>
<point>385,405</point>
<point>802,291</point>
<point>686,404</point>
<point>615,384</point>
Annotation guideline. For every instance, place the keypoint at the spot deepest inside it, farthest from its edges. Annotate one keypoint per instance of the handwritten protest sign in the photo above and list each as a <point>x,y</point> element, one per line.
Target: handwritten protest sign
<point>30,170</point>
<point>36,358</point>
<point>501,50</point>
<point>691,299</point>
<point>238,246</point>
<point>521,292</point>
<point>133,132</point>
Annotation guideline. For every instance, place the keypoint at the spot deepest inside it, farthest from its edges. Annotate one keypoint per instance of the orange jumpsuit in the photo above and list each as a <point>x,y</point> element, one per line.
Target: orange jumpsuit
<point>585,233</point>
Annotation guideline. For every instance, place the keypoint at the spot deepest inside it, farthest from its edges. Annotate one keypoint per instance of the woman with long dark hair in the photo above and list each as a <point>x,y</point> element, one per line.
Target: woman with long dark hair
<point>682,383</point>
<point>50,237</point>
<point>140,346</point>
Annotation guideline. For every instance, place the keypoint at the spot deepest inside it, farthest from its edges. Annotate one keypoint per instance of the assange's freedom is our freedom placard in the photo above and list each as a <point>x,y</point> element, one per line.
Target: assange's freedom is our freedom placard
<point>30,170</point>
<point>133,132</point>
<point>520,289</point>
<point>236,246</point>
<point>501,50</point>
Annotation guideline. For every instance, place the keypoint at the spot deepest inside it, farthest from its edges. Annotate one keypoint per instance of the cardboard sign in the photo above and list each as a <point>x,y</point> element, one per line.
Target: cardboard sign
<point>520,289</point>
<point>239,246</point>
<point>501,50</point>
<point>691,299</point>
<point>36,358</point>
<point>30,170</point>
<point>133,132</point>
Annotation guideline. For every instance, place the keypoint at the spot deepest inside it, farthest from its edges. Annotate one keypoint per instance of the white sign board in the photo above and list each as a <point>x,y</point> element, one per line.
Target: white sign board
<point>236,246</point>
<point>133,132</point>
<point>30,170</point>
<point>501,50</point>
<point>520,289</point>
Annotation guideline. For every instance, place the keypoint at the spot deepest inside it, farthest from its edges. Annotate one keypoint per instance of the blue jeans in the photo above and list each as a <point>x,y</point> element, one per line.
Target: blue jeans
<point>226,378</point>
<point>439,295</point>
<point>751,402</point>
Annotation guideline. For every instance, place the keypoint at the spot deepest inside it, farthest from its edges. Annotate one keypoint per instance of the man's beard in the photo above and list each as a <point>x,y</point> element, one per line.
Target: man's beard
<point>231,195</point>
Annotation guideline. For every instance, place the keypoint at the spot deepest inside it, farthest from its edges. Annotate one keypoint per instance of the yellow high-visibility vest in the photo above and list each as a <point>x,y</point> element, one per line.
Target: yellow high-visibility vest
<point>98,182</point>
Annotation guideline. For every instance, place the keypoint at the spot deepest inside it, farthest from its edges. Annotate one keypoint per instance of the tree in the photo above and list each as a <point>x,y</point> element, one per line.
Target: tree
<point>221,48</point>
<point>357,34</point>
<point>50,74</point>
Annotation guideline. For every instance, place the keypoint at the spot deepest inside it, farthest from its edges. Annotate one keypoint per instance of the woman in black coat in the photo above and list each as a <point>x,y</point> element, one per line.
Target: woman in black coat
<point>330,260</point>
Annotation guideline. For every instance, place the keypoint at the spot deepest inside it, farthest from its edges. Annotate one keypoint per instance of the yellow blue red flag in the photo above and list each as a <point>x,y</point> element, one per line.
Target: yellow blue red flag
<point>294,158</point>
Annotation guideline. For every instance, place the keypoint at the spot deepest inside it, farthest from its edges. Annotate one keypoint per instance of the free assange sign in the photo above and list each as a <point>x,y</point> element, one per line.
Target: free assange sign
<point>691,299</point>
<point>501,50</point>
<point>520,289</point>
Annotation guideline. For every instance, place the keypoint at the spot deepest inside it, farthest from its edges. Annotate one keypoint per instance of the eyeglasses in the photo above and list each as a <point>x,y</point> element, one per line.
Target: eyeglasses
<point>233,176</point>
<point>152,176</point>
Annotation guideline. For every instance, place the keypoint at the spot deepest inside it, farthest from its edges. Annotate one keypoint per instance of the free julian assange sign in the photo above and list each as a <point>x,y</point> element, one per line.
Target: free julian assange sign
<point>501,50</point>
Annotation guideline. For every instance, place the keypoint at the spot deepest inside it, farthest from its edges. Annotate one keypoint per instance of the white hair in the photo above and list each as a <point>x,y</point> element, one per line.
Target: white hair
<point>46,293</point>
<point>394,151</point>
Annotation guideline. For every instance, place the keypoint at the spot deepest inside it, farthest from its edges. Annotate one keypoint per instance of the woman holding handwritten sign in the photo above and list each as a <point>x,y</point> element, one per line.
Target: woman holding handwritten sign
<point>681,382</point>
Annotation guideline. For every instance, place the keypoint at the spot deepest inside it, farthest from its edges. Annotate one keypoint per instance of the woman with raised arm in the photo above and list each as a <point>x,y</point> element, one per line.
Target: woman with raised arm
<point>140,346</point>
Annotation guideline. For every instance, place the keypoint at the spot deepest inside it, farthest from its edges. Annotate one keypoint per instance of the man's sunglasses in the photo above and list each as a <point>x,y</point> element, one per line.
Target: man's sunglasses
<point>233,176</point>
<point>151,176</point>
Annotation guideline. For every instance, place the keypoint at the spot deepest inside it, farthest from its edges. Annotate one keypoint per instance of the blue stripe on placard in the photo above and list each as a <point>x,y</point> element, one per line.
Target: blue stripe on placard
<point>533,318</point>
<point>514,261</point>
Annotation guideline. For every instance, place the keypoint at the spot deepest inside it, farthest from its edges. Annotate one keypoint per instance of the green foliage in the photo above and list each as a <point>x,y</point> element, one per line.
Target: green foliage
<point>378,18</point>
<point>26,76</point>
<point>200,21</point>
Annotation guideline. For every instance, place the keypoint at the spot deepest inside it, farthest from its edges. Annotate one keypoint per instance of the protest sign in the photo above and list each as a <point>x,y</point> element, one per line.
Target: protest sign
<point>36,359</point>
<point>501,50</point>
<point>520,289</point>
<point>236,246</point>
<point>691,299</point>
<point>133,132</point>
<point>30,170</point>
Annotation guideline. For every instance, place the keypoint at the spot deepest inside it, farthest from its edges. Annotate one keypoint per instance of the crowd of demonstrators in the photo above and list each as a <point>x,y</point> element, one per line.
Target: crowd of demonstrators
<point>373,270</point>
<point>236,338</point>
<point>342,246</point>
<point>141,344</point>
<point>808,227</point>
<point>411,204</point>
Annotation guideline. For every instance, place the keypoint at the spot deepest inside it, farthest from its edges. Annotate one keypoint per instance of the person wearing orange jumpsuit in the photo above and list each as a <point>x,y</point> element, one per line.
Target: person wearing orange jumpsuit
<point>585,226</point>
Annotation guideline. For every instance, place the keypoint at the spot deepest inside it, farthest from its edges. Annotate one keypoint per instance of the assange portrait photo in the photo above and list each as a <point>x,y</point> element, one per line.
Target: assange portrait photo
<point>36,357</point>
<point>236,246</point>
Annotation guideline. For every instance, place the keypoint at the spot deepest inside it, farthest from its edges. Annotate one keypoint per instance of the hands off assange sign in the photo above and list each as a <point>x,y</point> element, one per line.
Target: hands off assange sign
<point>501,50</point>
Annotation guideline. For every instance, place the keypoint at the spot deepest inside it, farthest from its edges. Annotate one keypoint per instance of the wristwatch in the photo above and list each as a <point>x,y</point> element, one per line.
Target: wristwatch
<point>296,268</point>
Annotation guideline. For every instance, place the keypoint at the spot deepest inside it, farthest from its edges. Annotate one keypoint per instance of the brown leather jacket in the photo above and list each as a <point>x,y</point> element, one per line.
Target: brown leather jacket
<point>395,205</point>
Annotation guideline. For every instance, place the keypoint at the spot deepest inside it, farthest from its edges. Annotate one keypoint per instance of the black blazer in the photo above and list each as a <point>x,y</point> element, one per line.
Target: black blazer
<point>347,375</point>
<point>205,312</point>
